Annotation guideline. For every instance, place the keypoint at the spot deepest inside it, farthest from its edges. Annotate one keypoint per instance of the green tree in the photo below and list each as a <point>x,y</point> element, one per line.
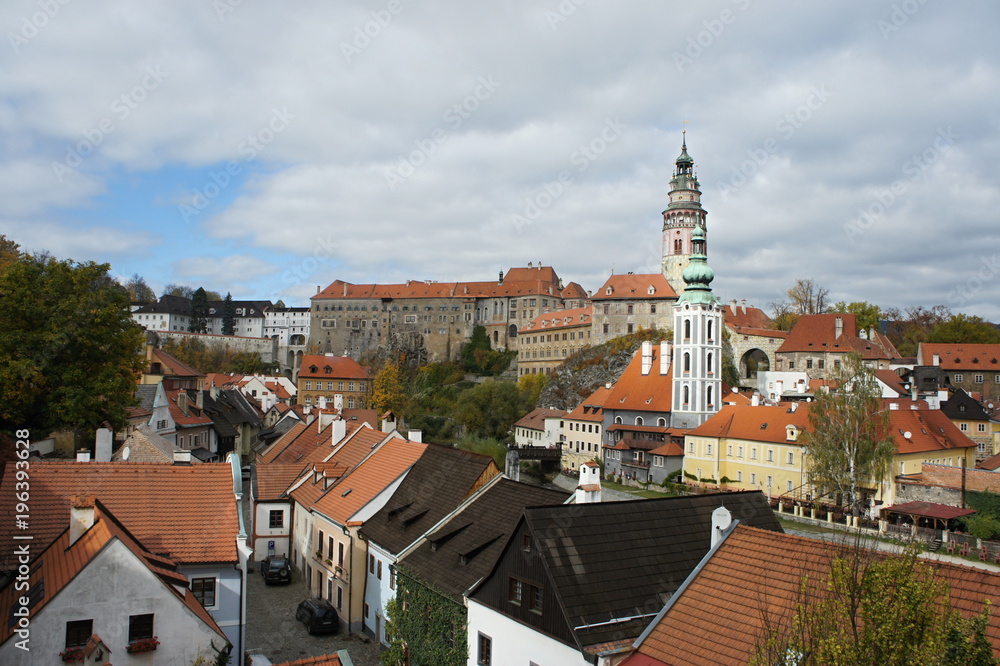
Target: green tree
<point>478,357</point>
<point>199,312</point>
<point>138,290</point>
<point>174,289</point>
<point>849,441</point>
<point>389,389</point>
<point>868,314</point>
<point>531,387</point>
<point>431,629</point>
<point>965,328</point>
<point>228,316</point>
<point>490,409</point>
<point>69,350</point>
<point>870,610</point>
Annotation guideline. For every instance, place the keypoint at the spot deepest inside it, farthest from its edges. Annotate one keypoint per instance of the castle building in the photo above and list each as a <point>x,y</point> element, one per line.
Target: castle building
<point>697,376</point>
<point>683,215</point>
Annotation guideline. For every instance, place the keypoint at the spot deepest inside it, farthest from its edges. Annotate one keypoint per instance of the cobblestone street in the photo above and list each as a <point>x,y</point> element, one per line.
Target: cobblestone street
<point>273,632</point>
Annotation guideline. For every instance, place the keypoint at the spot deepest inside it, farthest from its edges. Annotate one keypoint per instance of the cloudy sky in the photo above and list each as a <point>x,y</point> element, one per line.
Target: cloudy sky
<point>266,148</point>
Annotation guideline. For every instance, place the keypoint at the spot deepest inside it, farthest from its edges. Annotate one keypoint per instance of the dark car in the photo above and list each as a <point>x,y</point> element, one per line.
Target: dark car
<point>276,570</point>
<point>318,616</point>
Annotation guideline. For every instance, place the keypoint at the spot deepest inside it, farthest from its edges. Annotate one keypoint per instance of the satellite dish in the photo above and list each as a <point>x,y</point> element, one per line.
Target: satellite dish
<point>908,435</point>
<point>125,453</point>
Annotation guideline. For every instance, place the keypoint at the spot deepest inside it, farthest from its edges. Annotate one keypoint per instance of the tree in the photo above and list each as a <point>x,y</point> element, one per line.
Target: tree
<point>489,409</point>
<point>868,315</point>
<point>10,252</point>
<point>807,298</point>
<point>69,350</point>
<point>531,387</point>
<point>138,290</point>
<point>478,357</point>
<point>907,330</point>
<point>212,295</point>
<point>849,440</point>
<point>782,317</point>
<point>228,315</point>
<point>966,329</point>
<point>388,389</point>
<point>174,289</point>
<point>873,609</point>
<point>199,312</point>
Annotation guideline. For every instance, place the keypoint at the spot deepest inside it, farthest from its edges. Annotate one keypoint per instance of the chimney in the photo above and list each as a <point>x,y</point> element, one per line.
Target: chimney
<point>935,360</point>
<point>732,305</point>
<point>838,327</point>
<point>339,431</point>
<point>345,288</point>
<point>755,400</point>
<point>199,399</point>
<point>338,401</point>
<point>607,385</point>
<point>102,445</point>
<point>793,406</point>
<point>416,436</point>
<point>744,305</point>
<point>322,402</point>
<point>647,357</point>
<point>182,457</point>
<point>182,401</point>
<point>388,422</point>
<point>81,516</point>
<point>664,357</point>
<point>589,489</point>
<point>83,456</point>
<point>721,520</point>
<point>149,352</point>
<point>213,391</point>
<point>317,289</point>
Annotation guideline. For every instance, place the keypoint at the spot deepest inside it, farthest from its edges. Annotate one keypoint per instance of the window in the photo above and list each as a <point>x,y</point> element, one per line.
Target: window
<point>378,570</point>
<point>958,378</point>
<point>78,632</point>
<point>690,447</point>
<point>964,426</point>
<point>978,379</point>
<point>729,450</point>
<point>309,386</point>
<point>708,450</point>
<point>536,599</point>
<point>753,478</point>
<point>739,476</point>
<point>276,519</point>
<point>526,543</point>
<point>139,627</point>
<point>770,455</point>
<point>791,458</point>
<point>329,548</point>
<point>371,564</point>
<point>485,656</point>
<point>739,452</point>
<point>392,577</point>
<point>340,598</point>
<point>981,427</point>
<point>753,453</point>
<point>789,485</point>
<point>203,590</point>
<point>515,591</point>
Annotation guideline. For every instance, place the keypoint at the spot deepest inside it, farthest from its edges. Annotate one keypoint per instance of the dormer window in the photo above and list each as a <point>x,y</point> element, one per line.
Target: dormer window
<point>791,434</point>
<point>651,290</point>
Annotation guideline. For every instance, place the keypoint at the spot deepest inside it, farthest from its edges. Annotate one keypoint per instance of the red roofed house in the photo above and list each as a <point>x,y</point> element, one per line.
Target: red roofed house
<point>551,338</point>
<point>325,376</point>
<point>753,579</point>
<point>819,343</point>
<point>540,427</point>
<point>96,591</point>
<point>186,513</point>
<point>758,448</point>
<point>628,303</point>
<point>583,430</point>
<point>753,341</point>
<point>333,500</point>
<point>975,368</point>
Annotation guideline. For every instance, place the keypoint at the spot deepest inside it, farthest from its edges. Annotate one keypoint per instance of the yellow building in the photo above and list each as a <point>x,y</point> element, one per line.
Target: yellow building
<point>548,340</point>
<point>758,448</point>
<point>324,376</point>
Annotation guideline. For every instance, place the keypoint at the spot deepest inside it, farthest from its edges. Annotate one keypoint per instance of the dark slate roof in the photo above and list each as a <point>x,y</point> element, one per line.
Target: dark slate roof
<point>960,406</point>
<point>145,394</point>
<point>227,410</point>
<point>486,521</point>
<point>608,560</point>
<point>437,483</point>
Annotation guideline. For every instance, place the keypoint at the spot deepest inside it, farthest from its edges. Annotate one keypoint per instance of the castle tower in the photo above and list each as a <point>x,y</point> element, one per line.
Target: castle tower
<point>683,214</point>
<point>697,342</point>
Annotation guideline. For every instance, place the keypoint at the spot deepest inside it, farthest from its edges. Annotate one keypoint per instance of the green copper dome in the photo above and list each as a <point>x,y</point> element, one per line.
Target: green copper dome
<point>698,275</point>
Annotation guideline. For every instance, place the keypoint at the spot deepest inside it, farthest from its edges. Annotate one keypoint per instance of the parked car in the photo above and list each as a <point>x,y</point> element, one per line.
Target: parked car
<point>276,570</point>
<point>318,616</point>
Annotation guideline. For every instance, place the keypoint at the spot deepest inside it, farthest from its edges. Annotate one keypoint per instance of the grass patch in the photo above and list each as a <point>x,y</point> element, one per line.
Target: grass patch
<point>638,492</point>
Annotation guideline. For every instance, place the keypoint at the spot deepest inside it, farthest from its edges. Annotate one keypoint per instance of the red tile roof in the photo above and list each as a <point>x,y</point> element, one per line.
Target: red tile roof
<point>818,333</point>
<point>61,562</point>
<point>187,512</point>
<point>194,417</point>
<point>718,616</point>
<point>535,419</point>
<point>340,367</point>
<point>272,480</point>
<point>591,409</point>
<point>559,319</point>
<point>171,366</point>
<point>741,317</point>
<point>632,286</point>
<point>645,393</point>
<point>985,358</point>
<point>323,660</point>
<point>668,449</point>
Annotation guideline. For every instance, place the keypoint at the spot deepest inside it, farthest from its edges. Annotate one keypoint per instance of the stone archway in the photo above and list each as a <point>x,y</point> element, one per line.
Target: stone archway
<point>753,361</point>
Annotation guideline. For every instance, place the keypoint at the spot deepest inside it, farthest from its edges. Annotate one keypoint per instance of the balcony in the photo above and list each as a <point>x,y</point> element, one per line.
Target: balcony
<point>637,464</point>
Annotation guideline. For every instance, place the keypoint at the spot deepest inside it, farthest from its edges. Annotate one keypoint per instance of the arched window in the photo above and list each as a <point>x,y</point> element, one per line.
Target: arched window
<point>687,329</point>
<point>687,395</point>
<point>710,329</point>
<point>708,363</point>
<point>678,246</point>
<point>639,421</point>
<point>708,397</point>
<point>661,422</point>
<point>687,362</point>
<point>618,419</point>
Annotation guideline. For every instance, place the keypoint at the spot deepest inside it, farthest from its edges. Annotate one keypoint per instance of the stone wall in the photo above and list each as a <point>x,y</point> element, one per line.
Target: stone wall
<point>942,484</point>
<point>267,348</point>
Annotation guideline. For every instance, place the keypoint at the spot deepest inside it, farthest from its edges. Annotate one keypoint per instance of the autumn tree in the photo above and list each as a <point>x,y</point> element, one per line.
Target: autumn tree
<point>873,609</point>
<point>388,389</point>
<point>199,312</point>
<point>69,350</point>
<point>806,297</point>
<point>228,316</point>
<point>906,330</point>
<point>490,409</point>
<point>965,329</point>
<point>849,442</point>
<point>10,252</point>
<point>181,290</point>
<point>138,290</point>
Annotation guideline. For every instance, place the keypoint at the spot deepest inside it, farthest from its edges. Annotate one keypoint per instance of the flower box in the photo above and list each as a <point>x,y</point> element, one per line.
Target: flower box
<point>142,645</point>
<point>72,654</point>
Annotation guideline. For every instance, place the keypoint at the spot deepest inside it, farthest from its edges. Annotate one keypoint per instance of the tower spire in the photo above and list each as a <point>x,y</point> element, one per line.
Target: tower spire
<point>683,214</point>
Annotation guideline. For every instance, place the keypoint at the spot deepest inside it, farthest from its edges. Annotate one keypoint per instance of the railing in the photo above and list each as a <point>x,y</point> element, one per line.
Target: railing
<point>640,464</point>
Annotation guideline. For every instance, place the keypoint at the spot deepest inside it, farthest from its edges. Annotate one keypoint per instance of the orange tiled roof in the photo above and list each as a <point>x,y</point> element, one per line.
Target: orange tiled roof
<point>668,449</point>
<point>367,480</point>
<point>171,366</point>
<point>985,358</point>
<point>718,616</point>
<point>340,367</point>
<point>185,511</point>
<point>632,286</point>
<point>645,393</point>
<point>195,416</point>
<point>591,409</point>
<point>818,333</point>
<point>741,316</point>
<point>273,479</point>
<point>323,660</point>
<point>745,422</point>
<point>283,442</point>
<point>574,291</point>
<point>559,319</point>
<point>61,562</point>
<point>929,430</point>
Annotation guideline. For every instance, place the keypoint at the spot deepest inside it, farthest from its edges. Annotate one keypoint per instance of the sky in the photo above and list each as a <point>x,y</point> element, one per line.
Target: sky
<point>265,148</point>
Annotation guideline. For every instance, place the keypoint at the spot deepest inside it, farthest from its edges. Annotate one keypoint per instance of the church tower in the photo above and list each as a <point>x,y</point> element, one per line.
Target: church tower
<point>683,214</point>
<point>697,380</point>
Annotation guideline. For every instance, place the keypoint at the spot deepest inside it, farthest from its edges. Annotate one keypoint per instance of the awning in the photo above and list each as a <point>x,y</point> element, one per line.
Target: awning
<point>928,510</point>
